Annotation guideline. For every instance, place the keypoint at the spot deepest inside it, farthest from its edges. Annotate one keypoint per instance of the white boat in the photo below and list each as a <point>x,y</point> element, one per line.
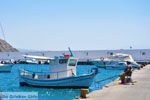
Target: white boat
<point>32,59</point>
<point>5,67</point>
<point>62,74</point>
<point>117,61</point>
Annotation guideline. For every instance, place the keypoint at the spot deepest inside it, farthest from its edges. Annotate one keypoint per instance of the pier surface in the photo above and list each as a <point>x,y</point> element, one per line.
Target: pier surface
<point>139,91</point>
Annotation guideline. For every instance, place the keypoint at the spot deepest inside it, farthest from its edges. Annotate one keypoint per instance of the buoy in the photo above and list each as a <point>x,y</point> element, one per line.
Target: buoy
<point>83,93</point>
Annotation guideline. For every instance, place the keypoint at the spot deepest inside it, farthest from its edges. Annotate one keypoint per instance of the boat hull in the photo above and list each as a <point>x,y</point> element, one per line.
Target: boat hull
<point>120,65</point>
<point>70,82</point>
<point>5,67</point>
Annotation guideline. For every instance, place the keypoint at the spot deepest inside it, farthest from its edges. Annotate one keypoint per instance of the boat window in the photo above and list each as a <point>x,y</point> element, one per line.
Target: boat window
<point>72,62</point>
<point>143,53</point>
<point>62,61</point>
<point>111,53</point>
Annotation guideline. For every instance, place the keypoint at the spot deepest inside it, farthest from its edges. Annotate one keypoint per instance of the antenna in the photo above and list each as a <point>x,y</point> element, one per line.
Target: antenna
<point>2,31</point>
<point>70,51</point>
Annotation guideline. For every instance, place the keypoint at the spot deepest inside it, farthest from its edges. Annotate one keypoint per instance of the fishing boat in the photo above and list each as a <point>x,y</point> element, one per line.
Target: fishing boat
<point>62,74</point>
<point>5,67</point>
<point>117,61</point>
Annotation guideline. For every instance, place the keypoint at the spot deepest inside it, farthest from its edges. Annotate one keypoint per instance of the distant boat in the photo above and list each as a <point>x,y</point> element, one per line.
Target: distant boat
<point>62,74</point>
<point>117,61</point>
<point>6,67</point>
<point>32,59</point>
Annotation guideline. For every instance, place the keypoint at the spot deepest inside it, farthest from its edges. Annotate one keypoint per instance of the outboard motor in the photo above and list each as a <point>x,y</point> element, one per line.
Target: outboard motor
<point>94,70</point>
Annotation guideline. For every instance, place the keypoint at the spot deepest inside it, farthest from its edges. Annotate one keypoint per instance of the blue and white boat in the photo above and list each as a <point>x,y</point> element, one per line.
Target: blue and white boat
<point>62,74</point>
<point>5,67</point>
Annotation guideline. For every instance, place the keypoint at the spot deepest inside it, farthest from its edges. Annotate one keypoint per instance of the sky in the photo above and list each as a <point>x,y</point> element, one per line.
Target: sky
<point>79,24</point>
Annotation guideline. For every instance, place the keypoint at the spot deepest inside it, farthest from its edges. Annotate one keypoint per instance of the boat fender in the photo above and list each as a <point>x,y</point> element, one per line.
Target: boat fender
<point>33,75</point>
<point>94,70</point>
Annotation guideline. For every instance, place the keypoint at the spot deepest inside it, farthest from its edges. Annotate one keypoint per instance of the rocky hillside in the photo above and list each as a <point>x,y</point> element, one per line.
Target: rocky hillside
<point>6,47</point>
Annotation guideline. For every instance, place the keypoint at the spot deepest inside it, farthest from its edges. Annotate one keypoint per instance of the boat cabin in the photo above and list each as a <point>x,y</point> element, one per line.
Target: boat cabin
<point>60,67</point>
<point>64,67</point>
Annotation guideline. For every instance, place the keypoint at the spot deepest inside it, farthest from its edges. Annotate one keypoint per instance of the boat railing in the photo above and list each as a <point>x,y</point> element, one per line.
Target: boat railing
<point>46,75</point>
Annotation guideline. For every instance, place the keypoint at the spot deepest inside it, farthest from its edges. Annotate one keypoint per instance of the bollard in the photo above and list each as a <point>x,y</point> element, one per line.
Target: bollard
<point>145,63</point>
<point>142,66</point>
<point>83,93</point>
<point>139,68</point>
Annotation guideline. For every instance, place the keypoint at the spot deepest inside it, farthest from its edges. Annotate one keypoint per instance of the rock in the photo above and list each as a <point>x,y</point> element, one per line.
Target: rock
<point>6,47</point>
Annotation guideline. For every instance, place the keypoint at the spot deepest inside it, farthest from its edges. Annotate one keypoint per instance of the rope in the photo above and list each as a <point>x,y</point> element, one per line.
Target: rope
<point>25,70</point>
<point>107,78</point>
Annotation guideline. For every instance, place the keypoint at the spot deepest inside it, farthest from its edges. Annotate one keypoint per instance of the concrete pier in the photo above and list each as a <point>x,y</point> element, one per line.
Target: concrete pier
<point>115,91</point>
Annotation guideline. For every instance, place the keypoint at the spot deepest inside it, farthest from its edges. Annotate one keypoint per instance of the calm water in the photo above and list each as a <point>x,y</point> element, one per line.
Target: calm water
<point>10,82</point>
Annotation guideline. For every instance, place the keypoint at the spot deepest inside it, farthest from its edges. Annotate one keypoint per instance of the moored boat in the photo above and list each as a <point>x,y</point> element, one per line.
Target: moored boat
<point>83,81</point>
<point>117,61</point>
<point>62,74</point>
<point>5,67</point>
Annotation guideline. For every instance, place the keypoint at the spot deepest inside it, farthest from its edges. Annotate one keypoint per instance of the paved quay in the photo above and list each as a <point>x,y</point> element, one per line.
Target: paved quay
<point>115,91</point>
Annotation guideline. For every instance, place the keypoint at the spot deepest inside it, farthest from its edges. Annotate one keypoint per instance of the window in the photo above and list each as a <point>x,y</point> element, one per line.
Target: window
<point>111,53</point>
<point>62,61</point>
<point>143,53</point>
<point>72,62</point>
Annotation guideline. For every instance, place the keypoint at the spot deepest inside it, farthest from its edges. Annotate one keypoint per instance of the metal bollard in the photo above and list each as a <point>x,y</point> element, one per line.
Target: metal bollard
<point>83,93</point>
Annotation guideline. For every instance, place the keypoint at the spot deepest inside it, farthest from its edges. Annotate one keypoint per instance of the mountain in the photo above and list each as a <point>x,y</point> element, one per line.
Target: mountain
<point>27,50</point>
<point>6,47</point>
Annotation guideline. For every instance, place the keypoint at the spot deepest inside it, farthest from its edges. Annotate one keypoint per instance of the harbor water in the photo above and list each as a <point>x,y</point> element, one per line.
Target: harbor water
<point>10,82</point>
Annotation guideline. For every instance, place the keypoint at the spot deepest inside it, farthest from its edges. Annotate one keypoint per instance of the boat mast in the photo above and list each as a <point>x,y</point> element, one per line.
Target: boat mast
<point>70,51</point>
<point>2,30</point>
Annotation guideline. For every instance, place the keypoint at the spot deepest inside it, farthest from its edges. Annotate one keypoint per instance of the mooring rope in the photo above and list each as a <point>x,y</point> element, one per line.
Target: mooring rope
<point>106,78</point>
